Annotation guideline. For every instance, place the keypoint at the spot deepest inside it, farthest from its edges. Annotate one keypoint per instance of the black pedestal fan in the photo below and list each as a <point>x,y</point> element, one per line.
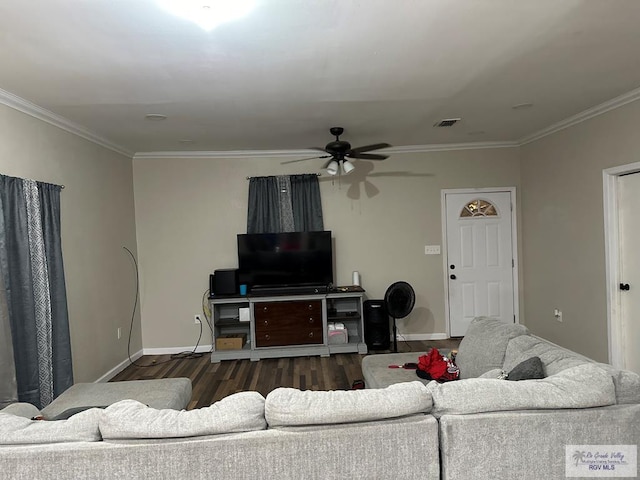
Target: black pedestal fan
<point>399,300</point>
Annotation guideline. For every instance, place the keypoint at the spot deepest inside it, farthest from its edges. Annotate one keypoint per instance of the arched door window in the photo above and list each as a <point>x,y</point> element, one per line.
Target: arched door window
<point>479,208</point>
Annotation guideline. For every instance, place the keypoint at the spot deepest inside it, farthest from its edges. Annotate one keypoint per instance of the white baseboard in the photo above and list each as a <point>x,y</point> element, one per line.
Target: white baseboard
<point>173,350</point>
<point>118,368</point>
<point>421,336</point>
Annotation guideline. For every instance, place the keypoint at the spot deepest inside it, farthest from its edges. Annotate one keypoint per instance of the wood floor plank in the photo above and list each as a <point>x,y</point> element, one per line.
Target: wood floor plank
<point>213,381</point>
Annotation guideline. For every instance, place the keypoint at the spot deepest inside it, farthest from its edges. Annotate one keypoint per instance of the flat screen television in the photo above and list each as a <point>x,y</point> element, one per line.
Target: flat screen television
<point>280,260</point>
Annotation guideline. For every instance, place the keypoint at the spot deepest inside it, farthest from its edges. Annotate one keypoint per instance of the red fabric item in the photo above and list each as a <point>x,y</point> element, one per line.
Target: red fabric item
<point>438,367</point>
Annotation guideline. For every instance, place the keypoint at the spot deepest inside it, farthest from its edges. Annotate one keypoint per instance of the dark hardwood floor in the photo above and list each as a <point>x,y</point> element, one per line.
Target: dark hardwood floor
<point>214,381</point>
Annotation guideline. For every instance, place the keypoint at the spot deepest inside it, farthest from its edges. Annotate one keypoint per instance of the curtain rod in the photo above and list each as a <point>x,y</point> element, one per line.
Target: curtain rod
<point>20,178</point>
<point>316,174</point>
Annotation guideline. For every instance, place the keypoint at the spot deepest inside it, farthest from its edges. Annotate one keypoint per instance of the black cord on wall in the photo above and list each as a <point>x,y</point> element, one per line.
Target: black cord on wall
<point>175,356</point>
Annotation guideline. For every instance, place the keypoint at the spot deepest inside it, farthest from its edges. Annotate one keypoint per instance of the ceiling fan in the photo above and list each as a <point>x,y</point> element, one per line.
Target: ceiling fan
<point>340,152</point>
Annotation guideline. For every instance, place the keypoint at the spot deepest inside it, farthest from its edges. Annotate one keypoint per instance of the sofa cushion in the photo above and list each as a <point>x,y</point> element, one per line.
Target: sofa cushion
<point>583,386</point>
<point>484,345</point>
<point>22,409</point>
<point>83,427</point>
<point>130,419</point>
<point>495,373</point>
<point>290,406</point>
<point>159,393</point>
<point>554,358</point>
<point>627,384</point>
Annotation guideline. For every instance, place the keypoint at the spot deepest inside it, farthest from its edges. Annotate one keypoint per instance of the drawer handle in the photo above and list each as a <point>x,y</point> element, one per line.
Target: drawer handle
<point>310,306</point>
<point>310,334</point>
<point>266,322</point>
<point>264,309</point>
<point>310,319</point>
<point>267,337</point>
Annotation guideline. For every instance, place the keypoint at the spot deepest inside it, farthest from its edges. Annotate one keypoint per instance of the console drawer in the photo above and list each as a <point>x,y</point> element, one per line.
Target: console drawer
<point>288,323</point>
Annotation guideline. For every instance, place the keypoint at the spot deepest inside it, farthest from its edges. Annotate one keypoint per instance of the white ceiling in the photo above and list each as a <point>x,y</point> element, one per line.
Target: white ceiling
<point>386,70</point>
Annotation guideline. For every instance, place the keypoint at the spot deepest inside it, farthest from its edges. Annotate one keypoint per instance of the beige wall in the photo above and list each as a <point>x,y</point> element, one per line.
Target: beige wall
<point>97,220</point>
<point>563,227</point>
<point>188,212</point>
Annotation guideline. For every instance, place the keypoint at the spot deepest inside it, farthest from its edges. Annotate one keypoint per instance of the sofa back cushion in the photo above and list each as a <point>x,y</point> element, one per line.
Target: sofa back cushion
<point>556,359</point>
<point>483,346</point>
<point>583,386</point>
<point>17,430</point>
<point>130,419</point>
<point>293,407</point>
<point>627,384</point>
<point>22,409</point>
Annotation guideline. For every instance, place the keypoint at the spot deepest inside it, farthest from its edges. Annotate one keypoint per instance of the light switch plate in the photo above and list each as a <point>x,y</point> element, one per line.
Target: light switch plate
<point>432,249</point>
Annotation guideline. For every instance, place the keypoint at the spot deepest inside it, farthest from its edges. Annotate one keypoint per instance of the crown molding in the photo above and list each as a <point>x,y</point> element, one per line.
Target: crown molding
<point>226,154</point>
<point>583,116</point>
<point>33,110</point>
<point>443,147</point>
<point>299,153</point>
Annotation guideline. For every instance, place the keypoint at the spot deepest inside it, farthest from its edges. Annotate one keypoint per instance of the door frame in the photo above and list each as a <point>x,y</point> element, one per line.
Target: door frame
<point>514,246</point>
<point>612,258</point>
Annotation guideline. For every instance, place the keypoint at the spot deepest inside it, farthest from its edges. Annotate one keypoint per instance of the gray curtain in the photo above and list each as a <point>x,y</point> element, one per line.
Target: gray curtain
<point>263,215</point>
<point>284,204</point>
<point>8,385</point>
<point>307,207</point>
<point>33,275</point>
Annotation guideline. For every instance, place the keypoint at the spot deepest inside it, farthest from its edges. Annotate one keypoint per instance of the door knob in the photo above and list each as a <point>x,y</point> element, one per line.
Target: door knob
<point>452,277</point>
<point>624,286</point>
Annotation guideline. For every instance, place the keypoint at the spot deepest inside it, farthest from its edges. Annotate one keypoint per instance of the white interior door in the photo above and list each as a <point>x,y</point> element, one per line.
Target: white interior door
<point>480,257</point>
<point>629,234</point>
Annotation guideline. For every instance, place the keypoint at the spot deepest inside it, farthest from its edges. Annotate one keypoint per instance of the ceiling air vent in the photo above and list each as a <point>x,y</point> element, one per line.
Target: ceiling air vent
<point>447,122</point>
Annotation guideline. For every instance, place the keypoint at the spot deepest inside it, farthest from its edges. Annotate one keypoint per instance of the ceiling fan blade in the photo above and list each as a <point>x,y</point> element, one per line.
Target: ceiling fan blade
<point>368,156</point>
<point>303,159</point>
<point>368,148</point>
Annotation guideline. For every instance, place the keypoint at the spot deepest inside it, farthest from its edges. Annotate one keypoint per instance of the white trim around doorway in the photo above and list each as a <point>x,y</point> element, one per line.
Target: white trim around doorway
<point>612,258</point>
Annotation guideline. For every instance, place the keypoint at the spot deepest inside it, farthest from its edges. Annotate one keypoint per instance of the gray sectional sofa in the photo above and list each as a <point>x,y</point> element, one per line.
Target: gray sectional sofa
<point>291,434</point>
<point>479,427</point>
<point>490,428</point>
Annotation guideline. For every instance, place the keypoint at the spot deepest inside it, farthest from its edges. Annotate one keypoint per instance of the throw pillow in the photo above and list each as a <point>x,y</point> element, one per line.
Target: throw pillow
<point>484,345</point>
<point>529,369</point>
<point>293,407</point>
<point>130,419</point>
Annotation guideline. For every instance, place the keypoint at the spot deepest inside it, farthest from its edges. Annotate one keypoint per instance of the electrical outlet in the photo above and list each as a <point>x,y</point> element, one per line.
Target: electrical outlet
<point>197,319</point>
<point>119,333</point>
<point>432,249</point>
<point>558,314</point>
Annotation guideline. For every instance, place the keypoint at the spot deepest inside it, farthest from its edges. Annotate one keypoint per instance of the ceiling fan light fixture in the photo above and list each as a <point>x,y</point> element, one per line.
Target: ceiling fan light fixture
<point>332,168</point>
<point>347,167</point>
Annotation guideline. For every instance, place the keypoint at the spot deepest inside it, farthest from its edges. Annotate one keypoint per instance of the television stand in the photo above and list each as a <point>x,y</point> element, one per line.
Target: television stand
<point>288,325</point>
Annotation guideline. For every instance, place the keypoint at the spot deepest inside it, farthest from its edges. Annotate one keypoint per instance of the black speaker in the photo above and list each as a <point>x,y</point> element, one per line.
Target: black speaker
<point>377,334</point>
<point>224,282</point>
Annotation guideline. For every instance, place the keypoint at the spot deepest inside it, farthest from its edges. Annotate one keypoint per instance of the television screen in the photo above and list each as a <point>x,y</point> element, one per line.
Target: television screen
<point>285,259</point>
